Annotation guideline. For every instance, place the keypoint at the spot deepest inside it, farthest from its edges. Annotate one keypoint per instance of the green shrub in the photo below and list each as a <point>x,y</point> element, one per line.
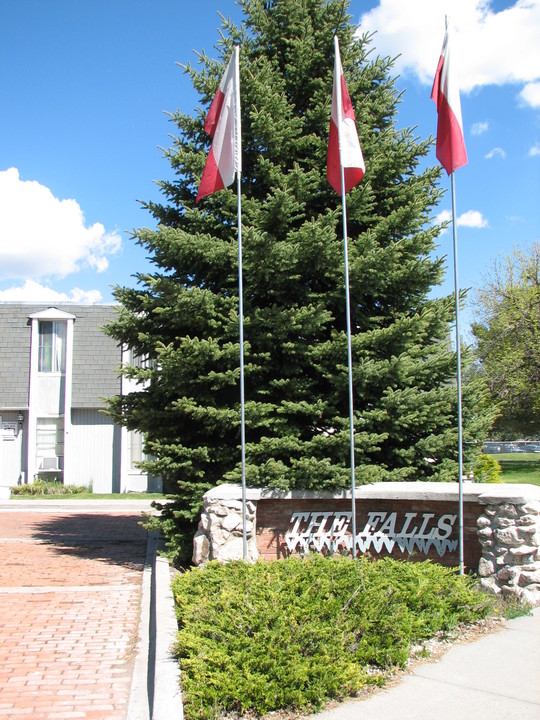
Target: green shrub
<point>48,487</point>
<point>177,525</point>
<point>487,470</point>
<point>296,632</point>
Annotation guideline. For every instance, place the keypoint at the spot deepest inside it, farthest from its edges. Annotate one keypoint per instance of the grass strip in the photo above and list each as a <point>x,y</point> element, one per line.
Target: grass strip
<point>519,467</point>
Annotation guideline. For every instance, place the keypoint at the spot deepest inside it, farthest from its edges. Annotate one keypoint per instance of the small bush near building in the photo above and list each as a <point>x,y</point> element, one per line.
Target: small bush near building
<point>48,487</point>
<point>294,633</point>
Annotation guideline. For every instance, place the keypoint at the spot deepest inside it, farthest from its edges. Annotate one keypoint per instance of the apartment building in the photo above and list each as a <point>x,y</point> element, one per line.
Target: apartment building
<point>57,366</point>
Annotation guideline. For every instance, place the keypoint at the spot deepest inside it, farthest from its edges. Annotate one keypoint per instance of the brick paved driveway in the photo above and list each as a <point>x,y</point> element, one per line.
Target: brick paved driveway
<point>70,589</point>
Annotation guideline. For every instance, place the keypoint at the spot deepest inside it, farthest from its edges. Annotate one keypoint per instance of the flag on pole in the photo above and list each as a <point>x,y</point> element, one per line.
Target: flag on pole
<point>451,154</point>
<point>223,125</point>
<point>343,144</point>
<point>450,149</point>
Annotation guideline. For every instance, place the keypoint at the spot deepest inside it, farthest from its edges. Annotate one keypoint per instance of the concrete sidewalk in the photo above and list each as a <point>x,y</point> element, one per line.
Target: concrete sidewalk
<point>496,677</point>
<point>80,593</point>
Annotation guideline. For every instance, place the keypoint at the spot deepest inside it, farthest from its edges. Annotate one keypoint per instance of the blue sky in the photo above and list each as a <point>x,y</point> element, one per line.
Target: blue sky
<point>85,86</point>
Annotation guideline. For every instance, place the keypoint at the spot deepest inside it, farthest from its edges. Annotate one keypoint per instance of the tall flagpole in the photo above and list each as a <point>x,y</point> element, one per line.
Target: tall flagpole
<point>349,362</point>
<point>348,310</point>
<point>451,153</point>
<point>242,395</point>
<point>458,359</point>
<point>459,401</point>
<point>238,146</point>
<point>223,124</point>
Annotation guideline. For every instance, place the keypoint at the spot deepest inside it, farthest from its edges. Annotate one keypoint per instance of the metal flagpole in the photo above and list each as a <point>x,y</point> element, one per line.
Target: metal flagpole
<point>238,169</point>
<point>459,403</point>
<point>348,308</point>
<point>451,154</point>
<point>242,396</point>
<point>349,360</point>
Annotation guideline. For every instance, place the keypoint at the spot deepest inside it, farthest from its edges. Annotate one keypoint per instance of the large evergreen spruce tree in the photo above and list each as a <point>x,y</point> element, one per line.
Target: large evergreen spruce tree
<point>184,315</point>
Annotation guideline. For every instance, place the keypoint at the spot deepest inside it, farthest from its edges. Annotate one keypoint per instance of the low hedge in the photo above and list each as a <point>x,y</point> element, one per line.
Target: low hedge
<point>48,487</point>
<point>294,633</point>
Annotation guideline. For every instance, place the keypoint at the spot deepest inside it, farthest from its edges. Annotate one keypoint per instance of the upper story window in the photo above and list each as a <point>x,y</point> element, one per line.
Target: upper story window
<point>140,361</point>
<point>52,346</point>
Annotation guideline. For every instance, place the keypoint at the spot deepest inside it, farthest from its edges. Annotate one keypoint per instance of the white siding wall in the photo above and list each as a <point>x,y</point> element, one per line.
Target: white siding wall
<point>11,449</point>
<point>50,396</point>
<point>95,447</point>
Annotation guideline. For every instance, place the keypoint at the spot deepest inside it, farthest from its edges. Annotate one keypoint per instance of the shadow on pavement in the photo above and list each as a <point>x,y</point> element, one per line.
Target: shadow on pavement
<point>118,539</point>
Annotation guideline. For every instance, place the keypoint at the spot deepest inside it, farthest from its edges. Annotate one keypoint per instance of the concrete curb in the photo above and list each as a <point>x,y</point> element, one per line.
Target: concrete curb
<point>155,689</point>
<point>58,504</point>
<point>167,694</point>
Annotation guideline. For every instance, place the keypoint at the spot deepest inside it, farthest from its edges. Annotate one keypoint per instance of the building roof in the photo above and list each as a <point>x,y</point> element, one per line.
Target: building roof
<point>96,356</point>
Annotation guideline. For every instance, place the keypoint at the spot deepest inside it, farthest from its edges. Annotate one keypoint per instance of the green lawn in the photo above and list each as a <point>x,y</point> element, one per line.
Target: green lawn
<point>519,467</point>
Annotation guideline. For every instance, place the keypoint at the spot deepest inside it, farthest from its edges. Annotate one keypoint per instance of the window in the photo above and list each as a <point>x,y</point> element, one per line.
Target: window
<point>136,453</point>
<point>52,346</point>
<point>140,361</point>
<point>50,444</point>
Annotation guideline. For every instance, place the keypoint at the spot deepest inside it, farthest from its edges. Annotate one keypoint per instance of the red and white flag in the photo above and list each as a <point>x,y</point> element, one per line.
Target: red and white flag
<point>450,148</point>
<point>223,125</point>
<point>343,144</point>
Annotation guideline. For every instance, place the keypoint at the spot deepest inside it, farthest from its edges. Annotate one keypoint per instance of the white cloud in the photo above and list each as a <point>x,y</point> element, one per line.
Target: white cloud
<point>32,291</point>
<point>489,48</point>
<point>470,219</point>
<point>42,236</point>
<point>530,95</point>
<point>496,152</point>
<point>443,216</point>
<point>479,128</point>
<point>535,150</point>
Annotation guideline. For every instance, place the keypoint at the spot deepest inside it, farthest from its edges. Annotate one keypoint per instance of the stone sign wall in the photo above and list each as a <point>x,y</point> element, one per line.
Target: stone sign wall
<point>408,521</point>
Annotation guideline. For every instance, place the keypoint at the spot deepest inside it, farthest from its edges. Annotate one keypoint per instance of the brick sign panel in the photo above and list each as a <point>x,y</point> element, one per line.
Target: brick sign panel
<point>402,529</point>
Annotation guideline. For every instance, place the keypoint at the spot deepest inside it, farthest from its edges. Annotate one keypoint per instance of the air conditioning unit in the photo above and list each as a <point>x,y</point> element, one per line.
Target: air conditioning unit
<point>49,463</point>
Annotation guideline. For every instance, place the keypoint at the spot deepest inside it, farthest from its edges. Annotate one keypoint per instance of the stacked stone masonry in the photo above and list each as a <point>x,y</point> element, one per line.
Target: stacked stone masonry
<point>501,527</point>
<point>220,535</point>
<point>510,538</point>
